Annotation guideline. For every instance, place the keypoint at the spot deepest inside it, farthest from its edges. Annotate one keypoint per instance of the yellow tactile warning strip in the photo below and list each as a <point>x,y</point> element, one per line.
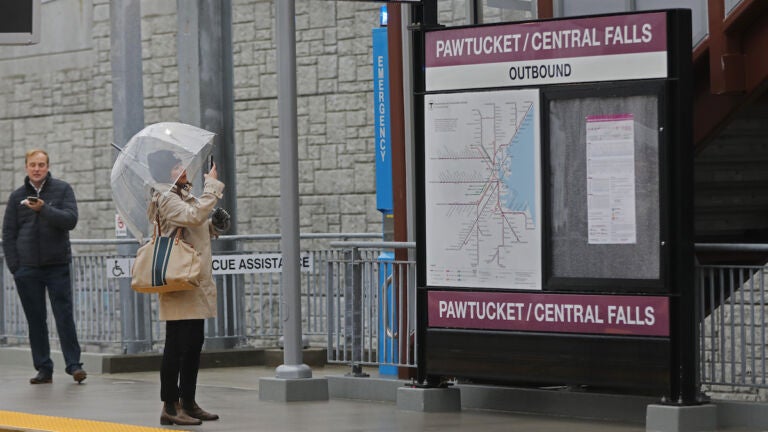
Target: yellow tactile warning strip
<point>16,421</point>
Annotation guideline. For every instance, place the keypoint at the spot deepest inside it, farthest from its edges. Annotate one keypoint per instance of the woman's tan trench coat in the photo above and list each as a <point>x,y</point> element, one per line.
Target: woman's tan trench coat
<point>193,214</point>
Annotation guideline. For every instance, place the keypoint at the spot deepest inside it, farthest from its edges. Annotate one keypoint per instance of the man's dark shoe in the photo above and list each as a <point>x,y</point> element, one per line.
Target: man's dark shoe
<point>42,377</point>
<point>79,375</point>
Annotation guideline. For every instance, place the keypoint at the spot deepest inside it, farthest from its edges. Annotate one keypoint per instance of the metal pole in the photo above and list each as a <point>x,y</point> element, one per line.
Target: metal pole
<point>353,313</point>
<point>474,12</point>
<point>217,97</point>
<point>426,16</point>
<point>188,59</point>
<point>206,96</point>
<point>289,192</point>
<point>206,100</point>
<point>128,119</point>
<point>682,267</point>
<point>405,323</point>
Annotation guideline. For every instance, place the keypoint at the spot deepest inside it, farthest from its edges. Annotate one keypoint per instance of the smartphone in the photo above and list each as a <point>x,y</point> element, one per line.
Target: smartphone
<point>210,163</point>
<point>32,199</point>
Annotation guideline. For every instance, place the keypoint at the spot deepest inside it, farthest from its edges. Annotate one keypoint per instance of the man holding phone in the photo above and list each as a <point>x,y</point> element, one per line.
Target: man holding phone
<point>38,218</point>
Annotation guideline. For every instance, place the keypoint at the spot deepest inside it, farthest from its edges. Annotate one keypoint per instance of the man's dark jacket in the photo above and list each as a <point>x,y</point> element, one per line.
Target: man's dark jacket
<point>37,239</point>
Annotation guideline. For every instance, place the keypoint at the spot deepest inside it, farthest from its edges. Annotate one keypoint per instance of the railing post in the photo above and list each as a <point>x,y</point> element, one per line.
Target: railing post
<point>225,331</point>
<point>330,296</point>
<point>353,314</point>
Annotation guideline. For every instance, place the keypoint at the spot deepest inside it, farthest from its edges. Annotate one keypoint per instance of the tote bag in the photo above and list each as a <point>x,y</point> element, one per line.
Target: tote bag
<point>165,264</point>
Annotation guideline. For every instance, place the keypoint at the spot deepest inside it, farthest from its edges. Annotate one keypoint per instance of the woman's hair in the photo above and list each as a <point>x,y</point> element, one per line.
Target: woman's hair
<point>161,163</point>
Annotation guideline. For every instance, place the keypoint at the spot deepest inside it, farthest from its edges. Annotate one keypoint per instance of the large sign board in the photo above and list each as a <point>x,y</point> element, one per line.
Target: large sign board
<point>548,225</point>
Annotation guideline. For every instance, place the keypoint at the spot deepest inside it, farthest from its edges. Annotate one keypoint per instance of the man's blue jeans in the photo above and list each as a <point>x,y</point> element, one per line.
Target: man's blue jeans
<point>31,283</point>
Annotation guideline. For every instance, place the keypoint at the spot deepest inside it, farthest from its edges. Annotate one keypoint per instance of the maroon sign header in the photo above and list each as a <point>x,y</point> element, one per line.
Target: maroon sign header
<point>585,37</point>
<point>555,313</point>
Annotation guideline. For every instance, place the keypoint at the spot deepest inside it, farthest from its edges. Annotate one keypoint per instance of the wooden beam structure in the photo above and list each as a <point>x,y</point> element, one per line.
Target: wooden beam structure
<point>730,65</point>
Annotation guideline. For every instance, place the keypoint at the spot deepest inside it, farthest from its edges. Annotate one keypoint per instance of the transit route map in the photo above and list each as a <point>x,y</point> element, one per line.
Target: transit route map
<point>482,189</point>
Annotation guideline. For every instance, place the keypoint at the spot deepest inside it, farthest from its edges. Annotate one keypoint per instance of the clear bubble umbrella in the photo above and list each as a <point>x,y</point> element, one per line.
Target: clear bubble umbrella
<point>145,164</point>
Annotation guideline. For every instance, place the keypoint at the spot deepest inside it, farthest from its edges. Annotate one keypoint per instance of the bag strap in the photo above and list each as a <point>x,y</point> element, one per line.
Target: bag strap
<point>156,230</point>
<point>177,237</point>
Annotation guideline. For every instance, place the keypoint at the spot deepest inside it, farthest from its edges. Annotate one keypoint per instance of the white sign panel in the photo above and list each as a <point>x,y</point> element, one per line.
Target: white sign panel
<point>120,229</point>
<point>224,264</point>
<point>119,268</point>
<point>257,263</point>
<point>611,179</point>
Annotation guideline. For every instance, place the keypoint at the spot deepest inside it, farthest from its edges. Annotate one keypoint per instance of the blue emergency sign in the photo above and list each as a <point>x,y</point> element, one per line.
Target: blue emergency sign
<point>381,115</point>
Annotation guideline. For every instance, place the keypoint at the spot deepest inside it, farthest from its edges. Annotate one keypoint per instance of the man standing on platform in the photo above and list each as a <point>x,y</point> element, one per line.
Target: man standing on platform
<point>38,218</point>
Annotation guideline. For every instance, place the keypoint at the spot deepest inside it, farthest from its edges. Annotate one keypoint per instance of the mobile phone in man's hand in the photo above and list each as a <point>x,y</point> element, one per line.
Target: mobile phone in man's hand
<point>32,199</point>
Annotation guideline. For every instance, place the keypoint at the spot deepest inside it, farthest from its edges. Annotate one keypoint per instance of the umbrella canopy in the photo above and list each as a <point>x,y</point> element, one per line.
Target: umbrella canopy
<point>145,164</point>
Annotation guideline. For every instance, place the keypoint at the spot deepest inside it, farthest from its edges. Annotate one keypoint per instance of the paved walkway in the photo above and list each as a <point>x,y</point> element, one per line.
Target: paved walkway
<point>233,393</point>
<point>133,399</point>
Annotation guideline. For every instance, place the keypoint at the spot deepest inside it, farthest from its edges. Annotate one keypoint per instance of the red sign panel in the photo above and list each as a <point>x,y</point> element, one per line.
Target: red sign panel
<point>554,313</point>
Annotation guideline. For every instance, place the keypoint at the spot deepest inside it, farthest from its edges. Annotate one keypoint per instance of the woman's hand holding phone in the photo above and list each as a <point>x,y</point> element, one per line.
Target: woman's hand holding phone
<point>213,173</point>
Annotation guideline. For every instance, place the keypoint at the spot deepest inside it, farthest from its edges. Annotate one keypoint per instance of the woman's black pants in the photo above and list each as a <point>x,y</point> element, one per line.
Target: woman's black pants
<point>181,359</point>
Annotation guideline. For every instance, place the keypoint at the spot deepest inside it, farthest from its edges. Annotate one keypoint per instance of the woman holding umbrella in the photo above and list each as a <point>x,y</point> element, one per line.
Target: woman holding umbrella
<point>184,312</point>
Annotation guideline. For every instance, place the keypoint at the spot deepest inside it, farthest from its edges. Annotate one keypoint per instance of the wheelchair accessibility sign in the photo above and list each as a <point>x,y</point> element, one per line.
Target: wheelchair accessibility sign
<point>119,268</point>
<point>223,264</point>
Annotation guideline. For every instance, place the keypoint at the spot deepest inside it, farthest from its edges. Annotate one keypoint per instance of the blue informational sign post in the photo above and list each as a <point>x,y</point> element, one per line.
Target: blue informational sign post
<point>381,111</point>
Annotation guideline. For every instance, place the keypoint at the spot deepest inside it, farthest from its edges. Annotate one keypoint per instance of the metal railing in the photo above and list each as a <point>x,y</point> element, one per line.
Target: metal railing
<point>359,302</point>
<point>732,307</point>
<point>732,334</point>
<point>249,312</point>
<point>371,305</point>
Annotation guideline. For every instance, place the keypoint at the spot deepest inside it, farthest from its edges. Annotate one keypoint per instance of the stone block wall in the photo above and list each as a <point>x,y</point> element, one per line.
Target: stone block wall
<point>57,95</point>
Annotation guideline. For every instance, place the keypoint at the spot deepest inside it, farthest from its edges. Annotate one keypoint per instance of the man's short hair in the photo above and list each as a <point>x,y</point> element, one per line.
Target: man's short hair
<point>33,152</point>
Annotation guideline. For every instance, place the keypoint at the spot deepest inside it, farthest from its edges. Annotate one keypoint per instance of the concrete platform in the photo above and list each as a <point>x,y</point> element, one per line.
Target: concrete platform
<point>366,404</point>
<point>233,393</point>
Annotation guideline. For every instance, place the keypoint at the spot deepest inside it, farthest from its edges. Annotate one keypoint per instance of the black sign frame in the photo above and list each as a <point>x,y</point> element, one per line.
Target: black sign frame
<point>664,366</point>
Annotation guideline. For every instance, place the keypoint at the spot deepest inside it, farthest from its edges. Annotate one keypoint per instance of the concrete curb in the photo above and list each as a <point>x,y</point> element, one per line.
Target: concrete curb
<point>100,363</point>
